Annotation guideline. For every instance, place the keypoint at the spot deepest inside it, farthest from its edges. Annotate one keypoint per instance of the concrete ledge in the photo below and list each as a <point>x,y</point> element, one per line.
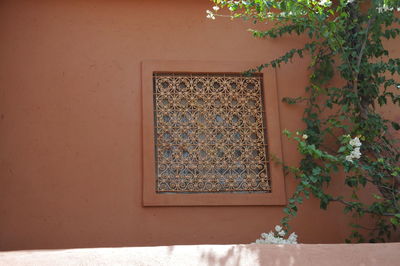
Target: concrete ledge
<point>282,255</point>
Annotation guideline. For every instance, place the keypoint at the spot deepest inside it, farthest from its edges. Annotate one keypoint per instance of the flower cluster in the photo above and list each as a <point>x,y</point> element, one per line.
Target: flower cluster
<point>325,3</point>
<point>385,8</point>
<point>355,153</point>
<point>304,136</point>
<point>277,237</point>
<point>210,14</point>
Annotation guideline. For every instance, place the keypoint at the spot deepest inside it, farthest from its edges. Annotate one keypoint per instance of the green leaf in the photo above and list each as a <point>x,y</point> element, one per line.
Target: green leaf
<point>395,125</point>
<point>394,221</point>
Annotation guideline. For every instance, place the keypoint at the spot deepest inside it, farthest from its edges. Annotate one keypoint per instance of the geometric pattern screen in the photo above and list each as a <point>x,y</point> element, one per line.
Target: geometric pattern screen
<point>210,133</point>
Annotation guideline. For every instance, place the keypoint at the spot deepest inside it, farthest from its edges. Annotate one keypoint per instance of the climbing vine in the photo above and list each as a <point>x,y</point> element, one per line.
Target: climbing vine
<point>345,131</point>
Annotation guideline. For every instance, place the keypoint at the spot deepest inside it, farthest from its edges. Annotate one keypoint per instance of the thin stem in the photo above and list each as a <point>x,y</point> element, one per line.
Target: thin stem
<point>348,203</point>
<point>360,55</point>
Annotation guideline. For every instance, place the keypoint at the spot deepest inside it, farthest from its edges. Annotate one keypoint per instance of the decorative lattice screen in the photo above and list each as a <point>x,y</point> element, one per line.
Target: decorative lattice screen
<point>210,133</point>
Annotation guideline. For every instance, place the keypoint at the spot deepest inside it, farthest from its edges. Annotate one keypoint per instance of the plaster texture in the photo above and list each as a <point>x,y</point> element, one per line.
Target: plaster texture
<point>215,255</point>
<point>71,130</point>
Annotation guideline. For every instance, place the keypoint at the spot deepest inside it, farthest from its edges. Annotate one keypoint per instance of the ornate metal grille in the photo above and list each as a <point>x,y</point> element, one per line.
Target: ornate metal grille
<point>210,133</point>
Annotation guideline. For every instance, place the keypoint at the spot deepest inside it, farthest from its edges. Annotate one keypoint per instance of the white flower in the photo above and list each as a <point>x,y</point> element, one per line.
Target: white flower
<point>325,3</point>
<point>350,1</point>
<point>278,228</point>
<point>293,238</point>
<point>270,238</point>
<point>210,14</point>
<point>355,153</point>
<point>355,142</point>
<point>216,8</point>
<point>305,136</point>
<point>384,8</point>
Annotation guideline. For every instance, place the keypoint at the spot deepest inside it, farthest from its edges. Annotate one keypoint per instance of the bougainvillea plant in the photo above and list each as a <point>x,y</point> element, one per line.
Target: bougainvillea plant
<point>277,237</point>
<point>345,131</point>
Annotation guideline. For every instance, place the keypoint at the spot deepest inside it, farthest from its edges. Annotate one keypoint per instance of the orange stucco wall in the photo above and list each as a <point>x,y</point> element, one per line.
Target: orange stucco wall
<point>70,125</point>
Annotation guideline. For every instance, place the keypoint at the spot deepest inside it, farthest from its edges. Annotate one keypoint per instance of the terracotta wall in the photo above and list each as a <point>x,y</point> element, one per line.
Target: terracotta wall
<point>70,125</point>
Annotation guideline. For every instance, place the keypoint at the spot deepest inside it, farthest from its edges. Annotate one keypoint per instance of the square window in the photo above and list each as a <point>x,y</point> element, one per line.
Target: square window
<point>207,133</point>
<point>210,133</point>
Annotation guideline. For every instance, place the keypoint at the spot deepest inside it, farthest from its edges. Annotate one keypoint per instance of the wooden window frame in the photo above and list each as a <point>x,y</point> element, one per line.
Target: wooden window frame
<point>273,132</point>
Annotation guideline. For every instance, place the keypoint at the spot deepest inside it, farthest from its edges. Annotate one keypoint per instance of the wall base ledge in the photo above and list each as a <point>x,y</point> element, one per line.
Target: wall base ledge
<point>301,254</point>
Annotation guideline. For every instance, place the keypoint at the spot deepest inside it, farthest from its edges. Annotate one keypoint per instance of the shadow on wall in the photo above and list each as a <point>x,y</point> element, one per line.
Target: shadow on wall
<point>293,255</point>
<point>252,255</point>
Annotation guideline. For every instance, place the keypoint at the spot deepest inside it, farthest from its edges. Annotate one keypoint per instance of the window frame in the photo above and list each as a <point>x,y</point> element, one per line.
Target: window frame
<point>273,133</point>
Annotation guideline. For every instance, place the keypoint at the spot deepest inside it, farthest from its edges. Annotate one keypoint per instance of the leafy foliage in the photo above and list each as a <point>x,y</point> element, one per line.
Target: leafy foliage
<point>346,38</point>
